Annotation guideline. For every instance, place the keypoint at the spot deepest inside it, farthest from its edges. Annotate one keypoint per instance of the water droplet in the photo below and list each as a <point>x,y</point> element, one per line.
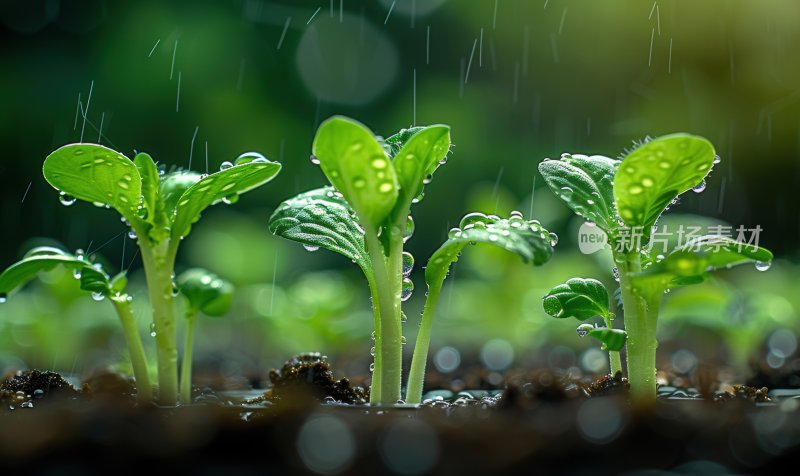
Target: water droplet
<point>584,329</point>
<point>428,178</point>
<point>408,288</point>
<point>475,218</point>
<point>132,235</point>
<point>385,187</point>
<point>515,214</point>
<point>409,232</point>
<point>314,160</point>
<point>98,296</point>
<point>717,159</point>
<point>359,183</point>
<point>76,273</point>
<point>3,298</point>
<point>225,165</point>
<point>700,187</point>
<point>647,182</point>
<point>408,263</point>
<point>615,271</point>
<point>372,351</point>
<point>310,247</point>
<point>152,329</point>
<point>250,157</point>
<point>38,393</point>
<point>65,199</point>
<point>379,163</point>
<point>372,367</point>
<point>635,189</point>
<point>403,340</point>
<point>403,317</point>
<point>231,199</point>
<point>664,164</point>
<point>566,193</point>
<point>763,265</point>
<point>553,239</point>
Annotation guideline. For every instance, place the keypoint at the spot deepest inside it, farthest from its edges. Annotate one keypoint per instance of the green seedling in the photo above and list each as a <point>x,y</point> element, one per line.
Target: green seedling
<point>365,217</point>
<point>94,279</point>
<point>584,299</point>
<point>204,292</point>
<point>624,199</point>
<point>160,210</point>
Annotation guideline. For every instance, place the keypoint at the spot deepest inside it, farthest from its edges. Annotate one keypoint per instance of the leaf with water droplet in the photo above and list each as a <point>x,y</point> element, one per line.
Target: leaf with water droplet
<point>585,184</point>
<point>612,339</point>
<point>693,261</point>
<point>655,173</point>
<point>96,281</point>
<point>418,158</point>
<point>348,153</point>
<point>93,173</point>
<point>40,259</point>
<point>218,186</point>
<point>205,291</point>
<point>580,298</point>
<point>321,218</point>
<point>152,211</point>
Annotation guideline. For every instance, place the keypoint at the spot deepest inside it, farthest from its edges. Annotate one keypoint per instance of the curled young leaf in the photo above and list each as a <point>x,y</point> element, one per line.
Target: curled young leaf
<point>581,298</point>
<point>419,157</point>
<point>526,238</point>
<point>226,184</point>
<point>95,280</point>
<point>585,184</point>
<point>96,174</point>
<point>205,291</point>
<point>321,218</point>
<point>691,263</point>
<point>36,260</point>
<point>356,164</point>
<point>650,177</point>
<point>612,339</point>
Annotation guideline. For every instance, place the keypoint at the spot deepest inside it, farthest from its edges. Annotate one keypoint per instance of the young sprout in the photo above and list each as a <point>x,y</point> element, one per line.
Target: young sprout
<point>204,292</point>
<point>365,217</point>
<point>625,199</point>
<point>160,210</point>
<point>94,279</point>
<point>584,299</point>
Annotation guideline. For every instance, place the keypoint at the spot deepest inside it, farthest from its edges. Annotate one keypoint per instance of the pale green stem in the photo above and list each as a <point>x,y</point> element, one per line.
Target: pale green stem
<point>377,370</point>
<point>416,376</point>
<point>144,390</point>
<point>158,267</point>
<point>641,346</point>
<point>186,365</point>
<point>390,336</point>
<point>614,361</point>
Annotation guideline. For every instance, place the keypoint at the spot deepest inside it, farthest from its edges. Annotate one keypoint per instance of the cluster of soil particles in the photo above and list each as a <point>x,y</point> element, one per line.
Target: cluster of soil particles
<point>308,422</point>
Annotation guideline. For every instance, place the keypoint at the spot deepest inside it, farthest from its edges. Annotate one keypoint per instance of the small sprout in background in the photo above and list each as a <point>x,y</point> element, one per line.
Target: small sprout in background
<point>160,210</point>
<point>584,299</point>
<point>625,199</point>
<point>207,293</point>
<point>94,279</point>
<point>365,217</point>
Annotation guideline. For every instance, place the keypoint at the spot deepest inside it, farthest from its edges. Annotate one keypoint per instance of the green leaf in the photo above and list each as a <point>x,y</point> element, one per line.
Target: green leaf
<point>586,185</point>
<point>36,260</point>
<point>526,238</point>
<point>206,291</point>
<point>119,282</point>
<point>226,184</point>
<point>612,339</point>
<point>419,158</point>
<point>96,174</point>
<point>651,176</point>
<point>581,298</point>
<point>394,143</point>
<point>96,281</point>
<point>172,186</point>
<point>322,218</point>
<point>693,261</point>
<point>356,164</point>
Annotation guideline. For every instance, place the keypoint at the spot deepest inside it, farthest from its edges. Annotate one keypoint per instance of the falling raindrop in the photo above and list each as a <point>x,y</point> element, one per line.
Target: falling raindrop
<point>408,288</point>
<point>65,199</point>
<point>584,329</point>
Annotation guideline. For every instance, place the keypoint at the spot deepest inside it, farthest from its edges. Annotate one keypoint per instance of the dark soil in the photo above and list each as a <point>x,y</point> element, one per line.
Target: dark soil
<point>307,423</point>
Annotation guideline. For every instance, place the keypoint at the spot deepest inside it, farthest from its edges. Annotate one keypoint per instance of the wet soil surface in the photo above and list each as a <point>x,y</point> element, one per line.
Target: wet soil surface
<point>541,422</point>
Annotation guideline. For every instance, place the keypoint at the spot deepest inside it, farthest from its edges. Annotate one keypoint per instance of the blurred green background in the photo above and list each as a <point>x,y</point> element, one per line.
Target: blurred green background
<point>199,82</point>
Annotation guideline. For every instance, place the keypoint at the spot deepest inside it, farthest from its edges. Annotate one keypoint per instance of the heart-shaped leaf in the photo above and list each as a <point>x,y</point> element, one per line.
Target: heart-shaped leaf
<point>356,164</point>
<point>650,177</point>
<point>226,185</point>
<point>96,174</point>
<point>693,261</point>
<point>527,238</point>
<point>321,218</point>
<point>419,158</point>
<point>206,292</point>
<point>586,185</point>
<point>581,298</point>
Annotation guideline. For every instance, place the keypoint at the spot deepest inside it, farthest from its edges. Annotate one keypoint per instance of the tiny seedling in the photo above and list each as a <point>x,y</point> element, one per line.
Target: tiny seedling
<point>204,292</point>
<point>160,209</point>
<point>584,299</point>
<point>624,199</point>
<point>94,279</point>
<point>365,217</point>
